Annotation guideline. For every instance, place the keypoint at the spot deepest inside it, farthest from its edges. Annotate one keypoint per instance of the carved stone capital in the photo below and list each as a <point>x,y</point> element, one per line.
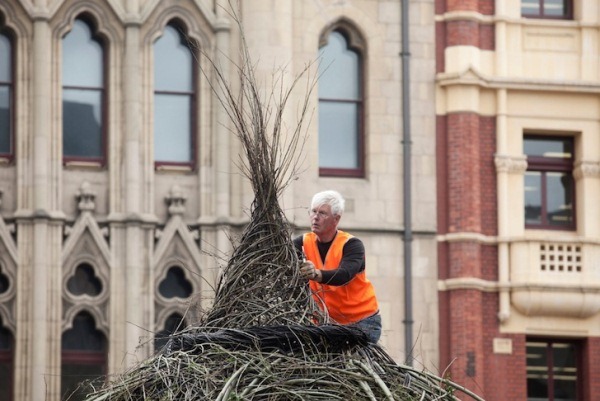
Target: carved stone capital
<point>585,169</point>
<point>510,164</point>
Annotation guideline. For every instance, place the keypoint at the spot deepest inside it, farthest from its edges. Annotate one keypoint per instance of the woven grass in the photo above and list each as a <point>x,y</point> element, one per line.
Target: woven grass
<point>264,338</point>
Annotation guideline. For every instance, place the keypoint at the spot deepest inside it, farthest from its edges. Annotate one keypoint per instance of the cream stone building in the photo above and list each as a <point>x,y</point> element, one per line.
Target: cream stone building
<point>119,182</point>
<point>519,182</point>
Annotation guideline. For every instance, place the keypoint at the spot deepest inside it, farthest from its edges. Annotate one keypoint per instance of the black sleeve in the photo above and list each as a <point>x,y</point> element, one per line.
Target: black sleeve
<point>353,262</point>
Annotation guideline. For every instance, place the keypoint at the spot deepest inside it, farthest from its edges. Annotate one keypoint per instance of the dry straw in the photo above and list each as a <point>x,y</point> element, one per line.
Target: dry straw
<point>264,338</point>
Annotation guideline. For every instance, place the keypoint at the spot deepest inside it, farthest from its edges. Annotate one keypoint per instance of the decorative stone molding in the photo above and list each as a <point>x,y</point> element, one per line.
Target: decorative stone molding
<point>510,164</point>
<point>86,197</point>
<point>176,201</point>
<point>586,169</point>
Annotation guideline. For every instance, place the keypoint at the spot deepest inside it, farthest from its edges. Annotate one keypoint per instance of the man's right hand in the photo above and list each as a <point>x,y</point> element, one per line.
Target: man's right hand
<point>310,272</point>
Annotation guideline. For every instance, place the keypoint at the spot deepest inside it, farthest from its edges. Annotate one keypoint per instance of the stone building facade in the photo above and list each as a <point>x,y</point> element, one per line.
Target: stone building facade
<point>518,139</point>
<point>120,189</point>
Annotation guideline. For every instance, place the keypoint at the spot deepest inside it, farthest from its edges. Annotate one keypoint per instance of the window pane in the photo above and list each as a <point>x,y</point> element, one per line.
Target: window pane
<point>555,148</point>
<point>338,135</point>
<point>537,372</point>
<point>5,120</point>
<point>530,7</point>
<point>564,372</point>
<point>83,335</point>
<point>339,70</point>
<point>173,323</point>
<point>172,128</point>
<point>5,59</point>
<point>75,380</point>
<point>175,284</point>
<point>555,8</point>
<point>172,63</point>
<point>558,195</point>
<point>82,119</point>
<point>533,197</point>
<point>82,58</point>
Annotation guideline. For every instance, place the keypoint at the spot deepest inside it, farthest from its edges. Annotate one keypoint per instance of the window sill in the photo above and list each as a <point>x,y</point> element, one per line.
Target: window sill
<point>79,164</point>
<point>169,168</point>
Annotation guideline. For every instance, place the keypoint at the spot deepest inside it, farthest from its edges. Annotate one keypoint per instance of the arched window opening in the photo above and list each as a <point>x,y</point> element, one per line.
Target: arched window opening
<point>174,323</point>
<point>6,363</point>
<point>83,94</point>
<point>4,281</point>
<point>341,134</point>
<point>6,95</point>
<point>175,284</point>
<point>84,350</point>
<point>84,281</point>
<point>174,99</point>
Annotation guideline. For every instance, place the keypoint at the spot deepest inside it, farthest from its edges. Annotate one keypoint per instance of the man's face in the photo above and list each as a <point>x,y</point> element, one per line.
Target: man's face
<point>323,222</point>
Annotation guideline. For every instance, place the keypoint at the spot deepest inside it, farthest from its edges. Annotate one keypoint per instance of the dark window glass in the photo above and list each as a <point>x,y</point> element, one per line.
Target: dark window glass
<point>173,323</point>
<point>83,94</point>
<point>4,281</point>
<point>83,358</point>
<point>552,371</point>
<point>6,89</point>
<point>340,108</point>
<point>84,281</point>
<point>547,8</point>
<point>549,184</point>
<point>6,363</point>
<point>173,99</point>
<point>175,284</point>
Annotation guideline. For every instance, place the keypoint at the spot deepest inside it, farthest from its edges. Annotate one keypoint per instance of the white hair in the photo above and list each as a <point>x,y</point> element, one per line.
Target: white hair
<point>331,198</point>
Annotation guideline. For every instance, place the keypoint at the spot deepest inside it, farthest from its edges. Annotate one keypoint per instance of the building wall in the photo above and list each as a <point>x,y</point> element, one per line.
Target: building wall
<point>131,221</point>
<point>500,76</point>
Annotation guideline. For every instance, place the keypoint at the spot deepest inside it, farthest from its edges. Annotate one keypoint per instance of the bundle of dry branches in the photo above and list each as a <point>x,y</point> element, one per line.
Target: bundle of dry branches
<point>264,337</point>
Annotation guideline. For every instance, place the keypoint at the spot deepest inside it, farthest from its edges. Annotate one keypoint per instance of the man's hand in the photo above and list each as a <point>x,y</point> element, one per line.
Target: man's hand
<point>310,272</point>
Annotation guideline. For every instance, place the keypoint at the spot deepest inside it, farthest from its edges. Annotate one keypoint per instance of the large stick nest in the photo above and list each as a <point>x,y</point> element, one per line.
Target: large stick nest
<point>264,338</point>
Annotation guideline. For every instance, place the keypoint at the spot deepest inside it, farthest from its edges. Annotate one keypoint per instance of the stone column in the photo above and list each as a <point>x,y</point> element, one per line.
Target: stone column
<point>39,234</point>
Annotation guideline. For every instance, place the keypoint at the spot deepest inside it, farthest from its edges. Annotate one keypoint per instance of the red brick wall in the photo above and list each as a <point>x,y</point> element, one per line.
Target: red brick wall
<point>485,7</point>
<point>467,203</point>
<point>463,32</point>
<point>591,369</point>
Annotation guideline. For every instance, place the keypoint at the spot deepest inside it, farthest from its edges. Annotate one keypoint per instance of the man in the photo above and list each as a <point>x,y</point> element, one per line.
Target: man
<point>335,266</point>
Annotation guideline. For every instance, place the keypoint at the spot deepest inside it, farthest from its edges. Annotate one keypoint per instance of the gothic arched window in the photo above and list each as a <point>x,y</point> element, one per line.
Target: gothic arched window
<point>341,131</point>
<point>174,99</point>
<point>83,95</point>
<point>84,350</point>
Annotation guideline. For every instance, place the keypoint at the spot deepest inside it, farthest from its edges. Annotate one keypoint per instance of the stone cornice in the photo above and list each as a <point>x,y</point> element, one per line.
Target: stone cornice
<point>473,77</point>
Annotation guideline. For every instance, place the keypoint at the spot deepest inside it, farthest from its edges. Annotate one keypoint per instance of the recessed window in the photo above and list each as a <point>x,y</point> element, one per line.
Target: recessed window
<point>560,9</point>
<point>6,96</point>
<point>83,95</point>
<point>6,363</point>
<point>174,99</point>
<point>549,184</point>
<point>552,373</point>
<point>84,350</point>
<point>174,323</point>
<point>340,108</point>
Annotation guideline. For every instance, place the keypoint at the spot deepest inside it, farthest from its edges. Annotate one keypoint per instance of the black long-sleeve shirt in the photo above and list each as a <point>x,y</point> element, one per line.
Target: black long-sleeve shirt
<point>353,260</point>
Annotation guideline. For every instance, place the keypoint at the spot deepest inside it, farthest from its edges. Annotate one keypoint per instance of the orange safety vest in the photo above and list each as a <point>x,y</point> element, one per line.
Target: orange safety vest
<point>347,303</point>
